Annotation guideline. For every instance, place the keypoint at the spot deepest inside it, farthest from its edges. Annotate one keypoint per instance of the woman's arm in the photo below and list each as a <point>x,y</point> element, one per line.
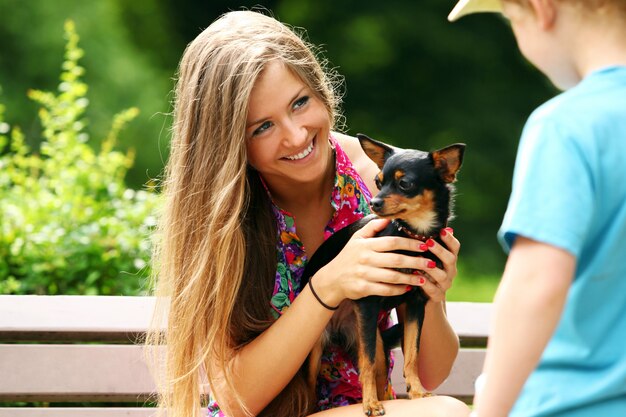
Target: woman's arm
<point>438,348</point>
<point>527,308</point>
<point>364,267</point>
<point>266,365</point>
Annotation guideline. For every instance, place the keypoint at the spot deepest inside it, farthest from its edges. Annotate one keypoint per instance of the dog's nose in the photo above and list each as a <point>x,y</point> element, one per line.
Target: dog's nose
<point>377,204</point>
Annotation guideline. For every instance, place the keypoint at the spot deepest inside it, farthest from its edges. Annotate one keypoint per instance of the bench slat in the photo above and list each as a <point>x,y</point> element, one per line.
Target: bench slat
<point>67,318</point>
<point>113,373</point>
<point>470,321</point>
<point>122,319</point>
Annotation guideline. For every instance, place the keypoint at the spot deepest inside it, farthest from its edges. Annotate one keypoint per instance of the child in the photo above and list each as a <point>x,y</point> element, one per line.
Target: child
<point>558,340</point>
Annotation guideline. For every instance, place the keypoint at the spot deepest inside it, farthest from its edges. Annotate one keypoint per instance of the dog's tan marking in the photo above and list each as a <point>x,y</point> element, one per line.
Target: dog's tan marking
<point>369,374</point>
<point>411,350</point>
<point>381,367</point>
<point>399,174</point>
<point>418,212</point>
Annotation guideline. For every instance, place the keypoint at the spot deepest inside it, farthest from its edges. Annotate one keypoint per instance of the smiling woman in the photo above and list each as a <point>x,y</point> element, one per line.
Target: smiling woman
<point>252,151</point>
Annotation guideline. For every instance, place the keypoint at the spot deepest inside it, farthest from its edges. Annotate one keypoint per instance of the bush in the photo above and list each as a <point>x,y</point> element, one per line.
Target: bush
<point>68,223</point>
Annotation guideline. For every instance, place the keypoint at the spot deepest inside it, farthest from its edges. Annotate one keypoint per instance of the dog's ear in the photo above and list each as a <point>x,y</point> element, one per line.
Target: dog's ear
<point>448,161</point>
<point>377,151</point>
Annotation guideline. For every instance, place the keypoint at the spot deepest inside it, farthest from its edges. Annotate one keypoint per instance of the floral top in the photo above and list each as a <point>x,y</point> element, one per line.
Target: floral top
<point>338,382</point>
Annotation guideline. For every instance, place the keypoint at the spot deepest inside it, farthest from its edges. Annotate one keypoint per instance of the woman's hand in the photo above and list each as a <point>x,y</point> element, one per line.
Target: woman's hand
<point>366,266</point>
<point>440,280</point>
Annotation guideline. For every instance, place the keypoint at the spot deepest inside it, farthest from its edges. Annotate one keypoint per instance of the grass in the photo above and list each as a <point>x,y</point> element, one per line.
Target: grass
<point>472,287</point>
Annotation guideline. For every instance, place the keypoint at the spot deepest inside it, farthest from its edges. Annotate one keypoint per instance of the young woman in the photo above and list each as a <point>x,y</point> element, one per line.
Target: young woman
<point>256,180</point>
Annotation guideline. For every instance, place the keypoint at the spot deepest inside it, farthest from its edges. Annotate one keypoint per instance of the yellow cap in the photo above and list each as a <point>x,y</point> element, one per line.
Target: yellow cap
<point>464,7</point>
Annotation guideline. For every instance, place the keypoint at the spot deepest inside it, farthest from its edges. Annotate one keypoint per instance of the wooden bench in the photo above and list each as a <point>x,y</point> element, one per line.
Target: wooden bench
<point>75,356</point>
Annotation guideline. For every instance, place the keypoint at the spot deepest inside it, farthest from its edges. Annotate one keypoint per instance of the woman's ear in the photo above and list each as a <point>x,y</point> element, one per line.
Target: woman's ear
<point>545,11</point>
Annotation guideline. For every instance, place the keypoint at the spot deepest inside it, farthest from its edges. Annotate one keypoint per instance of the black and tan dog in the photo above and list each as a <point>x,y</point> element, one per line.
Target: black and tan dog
<point>416,193</point>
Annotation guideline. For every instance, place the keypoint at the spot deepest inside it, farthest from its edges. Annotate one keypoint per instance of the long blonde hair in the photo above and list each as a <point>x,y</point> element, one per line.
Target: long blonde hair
<point>217,226</point>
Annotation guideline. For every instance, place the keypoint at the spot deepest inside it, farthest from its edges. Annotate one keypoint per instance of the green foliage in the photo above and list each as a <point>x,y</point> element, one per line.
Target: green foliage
<point>120,71</point>
<point>472,286</point>
<point>412,79</point>
<point>68,223</point>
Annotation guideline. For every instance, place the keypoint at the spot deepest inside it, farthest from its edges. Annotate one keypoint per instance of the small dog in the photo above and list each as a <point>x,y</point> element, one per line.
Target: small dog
<point>416,193</point>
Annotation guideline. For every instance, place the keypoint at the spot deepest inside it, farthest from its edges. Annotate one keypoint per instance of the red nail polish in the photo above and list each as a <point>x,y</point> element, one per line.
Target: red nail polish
<point>408,288</point>
<point>424,247</point>
<point>422,281</point>
<point>430,243</point>
<point>443,232</point>
<point>431,264</point>
<point>449,230</point>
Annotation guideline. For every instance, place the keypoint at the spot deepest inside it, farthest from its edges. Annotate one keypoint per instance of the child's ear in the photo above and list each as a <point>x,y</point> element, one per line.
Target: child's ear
<point>545,12</point>
<point>377,151</point>
<point>448,161</point>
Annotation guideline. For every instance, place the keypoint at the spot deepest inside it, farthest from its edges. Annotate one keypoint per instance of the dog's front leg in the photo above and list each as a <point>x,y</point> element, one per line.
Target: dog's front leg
<point>370,347</point>
<point>414,319</point>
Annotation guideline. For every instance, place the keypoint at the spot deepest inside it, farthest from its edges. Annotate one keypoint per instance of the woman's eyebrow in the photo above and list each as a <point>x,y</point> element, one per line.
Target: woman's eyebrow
<point>262,119</point>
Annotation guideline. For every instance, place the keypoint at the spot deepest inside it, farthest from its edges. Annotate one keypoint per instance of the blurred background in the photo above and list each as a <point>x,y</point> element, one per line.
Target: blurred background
<point>412,79</point>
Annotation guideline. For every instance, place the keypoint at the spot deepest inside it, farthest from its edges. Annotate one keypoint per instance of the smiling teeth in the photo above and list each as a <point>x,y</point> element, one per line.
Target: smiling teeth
<point>302,154</point>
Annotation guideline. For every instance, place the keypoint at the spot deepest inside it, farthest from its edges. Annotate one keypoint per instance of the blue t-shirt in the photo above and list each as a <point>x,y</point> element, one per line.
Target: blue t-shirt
<point>569,191</point>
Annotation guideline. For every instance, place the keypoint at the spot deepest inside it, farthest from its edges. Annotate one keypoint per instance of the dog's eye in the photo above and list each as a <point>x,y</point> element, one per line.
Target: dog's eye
<point>404,184</point>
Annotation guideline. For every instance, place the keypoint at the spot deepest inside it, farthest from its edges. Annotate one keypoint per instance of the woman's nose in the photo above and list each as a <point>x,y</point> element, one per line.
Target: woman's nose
<point>295,134</point>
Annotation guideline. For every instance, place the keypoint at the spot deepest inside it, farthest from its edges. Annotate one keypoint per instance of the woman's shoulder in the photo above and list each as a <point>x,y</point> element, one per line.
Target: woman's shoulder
<point>366,168</point>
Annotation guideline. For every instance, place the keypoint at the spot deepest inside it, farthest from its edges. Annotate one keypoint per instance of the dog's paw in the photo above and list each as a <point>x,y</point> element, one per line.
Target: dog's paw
<point>373,408</point>
<point>417,391</point>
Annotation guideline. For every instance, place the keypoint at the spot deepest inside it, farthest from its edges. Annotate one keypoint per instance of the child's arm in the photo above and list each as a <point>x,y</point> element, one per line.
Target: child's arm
<point>528,306</point>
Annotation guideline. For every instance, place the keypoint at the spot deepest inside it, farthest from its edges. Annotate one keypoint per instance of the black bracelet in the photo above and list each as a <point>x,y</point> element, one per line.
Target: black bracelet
<point>317,297</point>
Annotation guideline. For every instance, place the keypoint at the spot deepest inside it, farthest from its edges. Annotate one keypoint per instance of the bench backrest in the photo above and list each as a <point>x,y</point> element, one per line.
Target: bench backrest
<point>82,349</point>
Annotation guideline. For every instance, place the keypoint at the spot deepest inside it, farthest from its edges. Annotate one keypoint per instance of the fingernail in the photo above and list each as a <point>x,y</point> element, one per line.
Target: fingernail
<point>430,243</point>
<point>422,281</point>
<point>449,230</point>
<point>431,264</point>
<point>409,288</point>
<point>443,232</point>
<point>424,247</point>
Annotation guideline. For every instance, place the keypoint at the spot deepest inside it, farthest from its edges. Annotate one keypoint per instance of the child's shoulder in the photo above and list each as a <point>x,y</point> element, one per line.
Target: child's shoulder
<point>601,92</point>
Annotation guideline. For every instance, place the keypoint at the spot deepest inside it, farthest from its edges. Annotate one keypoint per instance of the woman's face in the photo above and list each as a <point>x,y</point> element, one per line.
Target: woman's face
<point>287,128</point>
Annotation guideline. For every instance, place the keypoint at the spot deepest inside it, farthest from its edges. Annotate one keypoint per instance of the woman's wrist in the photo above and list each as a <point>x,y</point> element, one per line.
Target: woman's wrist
<point>436,307</point>
<point>318,298</point>
<point>323,290</point>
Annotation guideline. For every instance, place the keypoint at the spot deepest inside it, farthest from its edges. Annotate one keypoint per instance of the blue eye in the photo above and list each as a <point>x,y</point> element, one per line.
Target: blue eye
<point>300,102</point>
<point>264,126</point>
